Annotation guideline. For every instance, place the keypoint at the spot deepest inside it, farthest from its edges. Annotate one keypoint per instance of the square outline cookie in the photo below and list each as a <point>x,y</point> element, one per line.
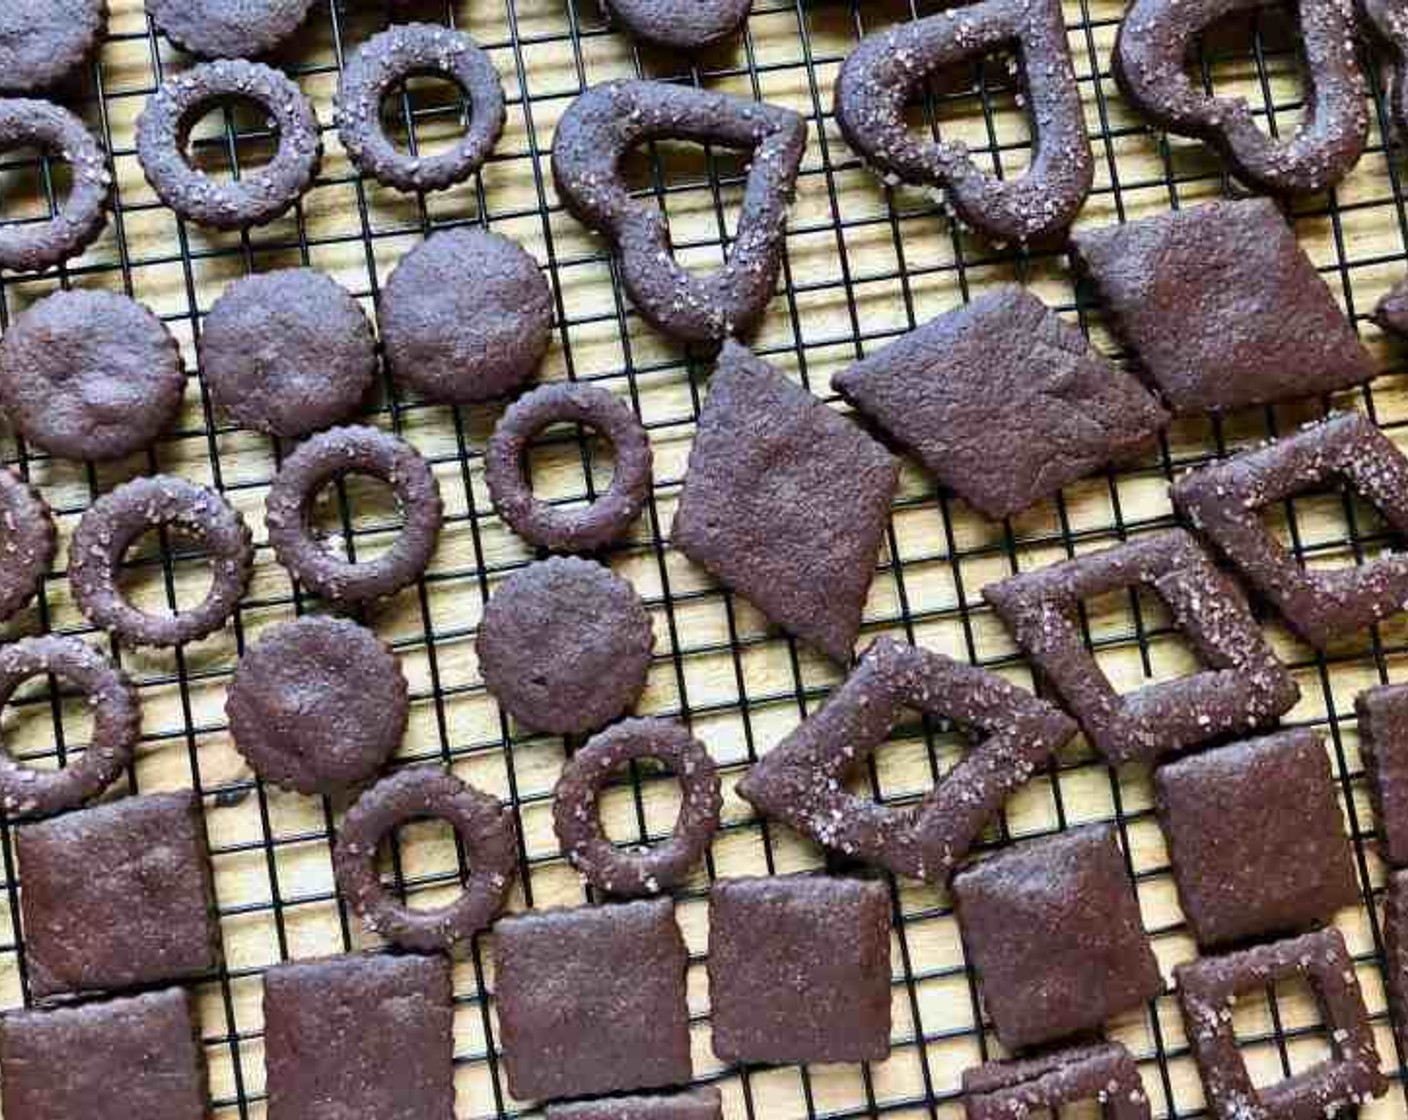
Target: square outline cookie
<point>1011,1090</point>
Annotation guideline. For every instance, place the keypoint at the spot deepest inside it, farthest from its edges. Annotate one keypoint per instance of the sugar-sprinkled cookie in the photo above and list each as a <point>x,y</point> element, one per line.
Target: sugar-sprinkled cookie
<point>1383,744</point>
<point>228,28</point>
<point>1101,1072</point>
<point>697,1104</point>
<point>28,540</point>
<point>1388,20</point>
<point>1396,952</point>
<point>44,41</point>
<point>681,25</point>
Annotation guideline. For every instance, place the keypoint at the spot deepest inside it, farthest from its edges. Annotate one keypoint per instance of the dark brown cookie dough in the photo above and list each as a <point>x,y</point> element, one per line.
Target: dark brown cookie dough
<point>802,780</point>
<point>113,1060</point>
<point>369,1036</point>
<point>637,870</point>
<point>421,793</point>
<point>115,522</point>
<point>1053,928</point>
<point>326,458</point>
<point>1151,65</point>
<point>318,705</point>
<point>799,969</point>
<point>1241,686</point>
<point>117,725</point>
<point>90,375</point>
<point>466,316</point>
<point>228,28</point>
<point>1003,401</point>
<point>1225,503</point>
<point>1223,307</point>
<point>1013,1090</point>
<point>392,57</point>
<point>613,1019</point>
<point>889,69</point>
<point>43,41</point>
<point>1383,744</point>
<point>35,246</point>
<point>1396,952</point>
<point>288,353</point>
<point>1208,987</point>
<point>611,515</point>
<point>1256,838</point>
<point>785,501</point>
<point>118,896</point>
<point>1391,312</point>
<point>681,25</point>
<point>1388,20</point>
<point>565,646</point>
<point>261,194</point>
<point>28,539</point>
<point>607,122</point>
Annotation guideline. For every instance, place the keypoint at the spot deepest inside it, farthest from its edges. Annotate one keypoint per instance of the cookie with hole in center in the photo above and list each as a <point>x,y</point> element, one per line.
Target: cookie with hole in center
<point>682,25</point>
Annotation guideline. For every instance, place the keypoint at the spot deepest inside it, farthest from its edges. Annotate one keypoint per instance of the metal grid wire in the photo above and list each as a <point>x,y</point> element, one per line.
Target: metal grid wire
<point>864,264</point>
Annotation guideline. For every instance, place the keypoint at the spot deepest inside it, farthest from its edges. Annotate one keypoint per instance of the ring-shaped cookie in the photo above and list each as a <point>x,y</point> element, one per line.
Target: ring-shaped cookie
<point>34,246</point>
<point>326,458</point>
<point>537,522</point>
<point>28,538</point>
<point>576,820</point>
<point>420,793</point>
<point>416,50</point>
<point>258,196</point>
<point>115,522</point>
<point>116,725</point>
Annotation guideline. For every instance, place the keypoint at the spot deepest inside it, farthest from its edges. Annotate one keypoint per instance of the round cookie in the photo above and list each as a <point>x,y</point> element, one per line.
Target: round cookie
<point>318,705</point>
<point>466,317</point>
<point>228,28</point>
<point>90,375</point>
<point>565,646</point>
<point>43,41</point>
<point>258,196</point>
<point>390,58</point>
<point>684,25</point>
<point>28,539</point>
<point>35,246</point>
<point>287,353</point>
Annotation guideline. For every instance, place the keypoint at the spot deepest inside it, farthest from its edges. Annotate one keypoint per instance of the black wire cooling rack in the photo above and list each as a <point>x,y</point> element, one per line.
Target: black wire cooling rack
<point>865,263</point>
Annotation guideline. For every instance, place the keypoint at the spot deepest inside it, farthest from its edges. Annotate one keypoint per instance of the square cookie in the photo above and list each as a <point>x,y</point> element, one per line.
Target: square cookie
<point>1012,1090</point>
<point>360,1036</point>
<point>1054,930</point>
<point>1003,401</point>
<point>1383,743</point>
<point>698,1104</point>
<point>1209,986</point>
<point>799,969</point>
<point>592,1000</point>
<point>1396,952</point>
<point>118,896</point>
<point>1223,308</point>
<point>115,1060</point>
<point>1256,838</point>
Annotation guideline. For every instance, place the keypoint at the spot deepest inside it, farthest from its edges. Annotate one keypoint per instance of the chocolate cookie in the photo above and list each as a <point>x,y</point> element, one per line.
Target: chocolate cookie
<point>43,41</point>
<point>117,725</point>
<point>90,375</point>
<point>697,1104</point>
<point>228,28</point>
<point>115,522</point>
<point>564,646</point>
<point>799,969</point>
<point>1388,20</point>
<point>1383,744</point>
<point>482,827</point>
<point>607,122</point>
<point>1391,313</point>
<point>636,871</point>
<point>889,69</point>
<point>386,60</point>
<point>287,353</point>
<point>681,25</point>
<point>802,780</point>
<point>114,1060</point>
<point>1151,66</point>
<point>260,194</point>
<point>1209,986</point>
<point>35,246</point>
<point>1003,401</point>
<point>323,460</point>
<point>1241,686</point>
<point>466,316</point>
<point>611,514</point>
<point>28,539</point>
<point>318,705</point>
<point>780,490</point>
<point>1225,503</point>
<point>1223,307</point>
<point>118,896</point>
<point>614,1017</point>
<point>1396,952</point>
<point>1012,1090</point>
